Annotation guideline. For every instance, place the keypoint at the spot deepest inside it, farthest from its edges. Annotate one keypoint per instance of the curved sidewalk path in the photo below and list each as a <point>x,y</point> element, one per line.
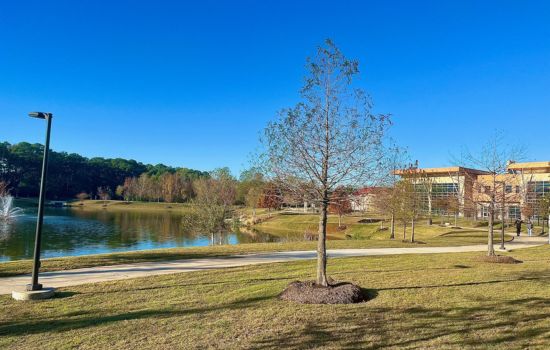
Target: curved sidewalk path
<point>118,272</point>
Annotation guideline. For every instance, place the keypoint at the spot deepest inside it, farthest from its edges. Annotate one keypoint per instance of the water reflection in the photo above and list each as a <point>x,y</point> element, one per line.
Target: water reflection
<point>81,232</point>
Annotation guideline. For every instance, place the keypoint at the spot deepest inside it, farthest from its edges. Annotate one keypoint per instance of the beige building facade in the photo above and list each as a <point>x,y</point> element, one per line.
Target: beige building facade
<point>471,192</point>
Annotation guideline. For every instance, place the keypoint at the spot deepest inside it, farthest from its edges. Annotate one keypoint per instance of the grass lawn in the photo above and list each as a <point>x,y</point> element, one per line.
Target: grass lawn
<point>283,224</point>
<point>418,301</point>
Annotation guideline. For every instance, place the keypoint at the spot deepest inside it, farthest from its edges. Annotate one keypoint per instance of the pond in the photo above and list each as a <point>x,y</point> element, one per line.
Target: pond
<point>70,232</point>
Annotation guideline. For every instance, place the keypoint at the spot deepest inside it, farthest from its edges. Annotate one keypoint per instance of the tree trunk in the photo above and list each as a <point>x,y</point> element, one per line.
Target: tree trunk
<point>412,230</point>
<point>430,221</point>
<point>321,245</point>
<point>392,229</point>
<point>339,220</point>
<point>502,228</point>
<point>490,247</point>
<point>404,230</point>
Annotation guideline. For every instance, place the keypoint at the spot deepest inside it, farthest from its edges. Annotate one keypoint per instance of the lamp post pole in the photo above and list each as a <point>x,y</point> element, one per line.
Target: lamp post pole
<point>502,210</point>
<point>42,197</point>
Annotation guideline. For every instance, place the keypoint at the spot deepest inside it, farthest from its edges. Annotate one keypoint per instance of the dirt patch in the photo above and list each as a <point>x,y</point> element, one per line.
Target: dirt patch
<point>369,221</point>
<point>308,292</point>
<point>499,259</point>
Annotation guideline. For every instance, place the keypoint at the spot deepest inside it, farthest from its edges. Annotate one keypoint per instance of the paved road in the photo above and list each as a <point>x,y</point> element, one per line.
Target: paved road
<point>119,272</point>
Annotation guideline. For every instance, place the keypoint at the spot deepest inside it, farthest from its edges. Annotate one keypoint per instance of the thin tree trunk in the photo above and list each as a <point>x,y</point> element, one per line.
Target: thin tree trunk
<point>392,229</point>
<point>322,239</point>
<point>412,230</point>
<point>490,247</point>
<point>404,230</point>
<point>430,221</point>
<point>321,247</point>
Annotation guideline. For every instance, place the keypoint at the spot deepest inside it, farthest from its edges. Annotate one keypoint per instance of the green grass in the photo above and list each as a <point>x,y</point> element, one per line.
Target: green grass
<point>297,224</point>
<point>418,301</point>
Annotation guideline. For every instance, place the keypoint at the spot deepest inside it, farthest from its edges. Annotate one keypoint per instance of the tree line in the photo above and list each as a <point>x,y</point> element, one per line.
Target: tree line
<point>70,174</point>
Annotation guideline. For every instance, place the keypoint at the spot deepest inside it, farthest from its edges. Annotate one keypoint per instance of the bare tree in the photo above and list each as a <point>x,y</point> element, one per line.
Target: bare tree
<point>81,196</point>
<point>212,206</point>
<point>271,197</point>
<point>329,139</point>
<point>493,158</point>
<point>104,193</point>
<point>386,202</point>
<point>250,189</point>
<point>544,210</point>
<point>340,203</point>
<point>386,198</point>
<point>252,199</point>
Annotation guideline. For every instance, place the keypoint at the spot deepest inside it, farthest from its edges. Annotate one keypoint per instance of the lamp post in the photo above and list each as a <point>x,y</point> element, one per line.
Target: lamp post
<point>36,262</point>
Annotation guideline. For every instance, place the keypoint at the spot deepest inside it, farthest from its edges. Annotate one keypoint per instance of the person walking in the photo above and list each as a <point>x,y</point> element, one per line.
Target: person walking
<point>518,226</point>
<point>529,228</point>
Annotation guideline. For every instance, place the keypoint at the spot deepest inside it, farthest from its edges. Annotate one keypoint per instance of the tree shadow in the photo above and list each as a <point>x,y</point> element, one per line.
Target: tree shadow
<point>64,294</point>
<point>187,284</point>
<point>422,327</point>
<point>74,320</point>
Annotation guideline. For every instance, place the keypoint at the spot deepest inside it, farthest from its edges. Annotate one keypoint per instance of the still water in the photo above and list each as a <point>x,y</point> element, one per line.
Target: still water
<point>69,232</point>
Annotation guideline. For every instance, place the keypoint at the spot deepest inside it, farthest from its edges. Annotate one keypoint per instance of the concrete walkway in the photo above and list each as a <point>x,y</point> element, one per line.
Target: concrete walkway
<point>118,272</point>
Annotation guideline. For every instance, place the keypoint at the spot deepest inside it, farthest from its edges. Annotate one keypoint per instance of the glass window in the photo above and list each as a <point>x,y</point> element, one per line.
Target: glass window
<point>484,211</point>
<point>508,189</point>
<point>514,212</point>
<point>535,191</point>
<point>438,192</point>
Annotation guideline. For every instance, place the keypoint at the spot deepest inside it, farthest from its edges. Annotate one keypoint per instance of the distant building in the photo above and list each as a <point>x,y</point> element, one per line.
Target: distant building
<point>363,199</point>
<point>519,189</point>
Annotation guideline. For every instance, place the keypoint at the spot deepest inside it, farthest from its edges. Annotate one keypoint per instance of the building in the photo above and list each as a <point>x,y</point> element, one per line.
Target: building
<point>363,198</point>
<point>517,192</point>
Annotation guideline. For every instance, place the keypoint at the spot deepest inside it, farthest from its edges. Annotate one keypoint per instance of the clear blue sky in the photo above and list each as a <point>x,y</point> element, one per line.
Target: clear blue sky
<point>193,83</point>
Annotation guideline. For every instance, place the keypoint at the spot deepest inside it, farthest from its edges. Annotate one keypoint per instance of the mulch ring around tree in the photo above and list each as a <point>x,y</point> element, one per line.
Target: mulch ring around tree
<point>308,292</point>
<point>498,259</point>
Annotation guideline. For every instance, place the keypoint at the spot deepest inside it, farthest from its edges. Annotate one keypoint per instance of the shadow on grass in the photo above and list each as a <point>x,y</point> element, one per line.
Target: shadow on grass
<point>369,294</point>
<point>186,284</point>
<point>75,320</point>
<point>64,294</point>
<point>488,325</point>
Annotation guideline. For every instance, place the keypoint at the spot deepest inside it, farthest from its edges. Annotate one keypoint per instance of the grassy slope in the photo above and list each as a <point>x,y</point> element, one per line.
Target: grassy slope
<point>291,224</point>
<point>419,301</point>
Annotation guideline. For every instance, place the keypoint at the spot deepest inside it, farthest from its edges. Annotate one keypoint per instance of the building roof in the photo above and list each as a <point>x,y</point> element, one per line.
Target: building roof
<point>528,165</point>
<point>368,190</point>
<point>444,170</point>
